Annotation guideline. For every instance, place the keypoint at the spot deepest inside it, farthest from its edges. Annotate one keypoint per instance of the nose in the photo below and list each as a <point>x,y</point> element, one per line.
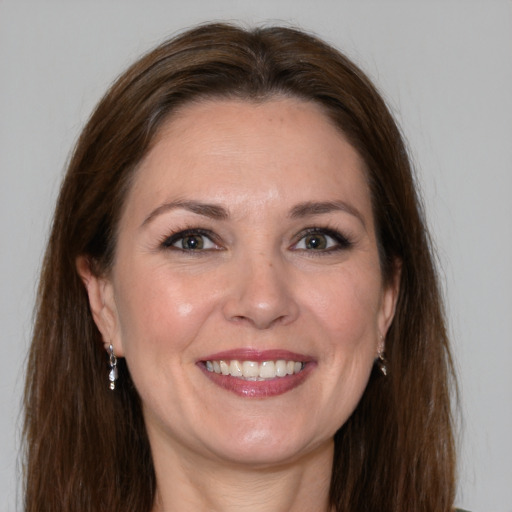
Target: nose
<point>261,294</point>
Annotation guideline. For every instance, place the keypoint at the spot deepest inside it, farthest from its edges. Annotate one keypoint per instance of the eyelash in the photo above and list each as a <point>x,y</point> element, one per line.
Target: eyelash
<point>169,241</point>
<point>342,241</point>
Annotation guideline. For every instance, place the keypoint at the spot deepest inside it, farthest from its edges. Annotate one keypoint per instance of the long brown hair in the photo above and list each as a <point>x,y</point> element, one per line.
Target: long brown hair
<point>86,446</point>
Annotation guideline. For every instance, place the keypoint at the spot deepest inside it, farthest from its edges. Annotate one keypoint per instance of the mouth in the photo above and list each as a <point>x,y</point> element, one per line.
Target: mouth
<point>253,374</point>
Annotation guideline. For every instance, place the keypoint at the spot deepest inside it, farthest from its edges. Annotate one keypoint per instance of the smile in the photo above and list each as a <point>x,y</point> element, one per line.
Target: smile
<point>254,370</point>
<point>251,373</point>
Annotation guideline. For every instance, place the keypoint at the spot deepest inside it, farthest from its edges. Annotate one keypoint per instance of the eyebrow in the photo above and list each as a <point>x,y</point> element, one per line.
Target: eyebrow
<point>318,208</point>
<point>217,212</point>
<point>208,210</point>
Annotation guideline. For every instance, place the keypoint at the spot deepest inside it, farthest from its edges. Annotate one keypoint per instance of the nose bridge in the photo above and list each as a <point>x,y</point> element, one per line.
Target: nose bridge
<point>262,293</point>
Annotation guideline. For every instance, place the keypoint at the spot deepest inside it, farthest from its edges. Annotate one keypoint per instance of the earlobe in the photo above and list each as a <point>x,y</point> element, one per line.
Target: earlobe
<point>102,303</point>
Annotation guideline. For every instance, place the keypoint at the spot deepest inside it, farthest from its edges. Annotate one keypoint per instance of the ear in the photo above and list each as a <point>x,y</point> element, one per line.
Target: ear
<point>102,303</point>
<point>388,304</point>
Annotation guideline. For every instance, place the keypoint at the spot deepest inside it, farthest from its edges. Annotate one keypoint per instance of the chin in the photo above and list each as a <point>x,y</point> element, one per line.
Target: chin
<point>266,445</point>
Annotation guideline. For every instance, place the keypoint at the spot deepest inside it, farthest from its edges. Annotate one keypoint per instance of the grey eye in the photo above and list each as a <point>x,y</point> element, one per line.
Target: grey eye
<point>316,242</point>
<point>190,240</point>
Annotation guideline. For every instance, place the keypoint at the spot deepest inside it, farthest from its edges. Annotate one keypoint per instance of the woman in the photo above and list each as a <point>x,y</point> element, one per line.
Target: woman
<point>239,237</point>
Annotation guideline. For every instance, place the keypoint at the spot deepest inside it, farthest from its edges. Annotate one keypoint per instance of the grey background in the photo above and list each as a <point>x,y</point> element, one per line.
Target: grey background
<point>446,71</point>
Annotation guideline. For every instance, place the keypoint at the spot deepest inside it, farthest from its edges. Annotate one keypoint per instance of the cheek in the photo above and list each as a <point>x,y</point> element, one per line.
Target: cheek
<point>160,310</point>
<point>346,310</point>
<point>347,305</point>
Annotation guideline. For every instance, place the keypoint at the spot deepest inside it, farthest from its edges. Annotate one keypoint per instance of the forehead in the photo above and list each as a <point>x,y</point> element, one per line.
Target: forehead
<point>250,123</point>
<point>282,147</point>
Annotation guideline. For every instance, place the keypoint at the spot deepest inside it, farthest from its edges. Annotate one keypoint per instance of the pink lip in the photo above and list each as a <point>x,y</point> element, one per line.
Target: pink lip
<point>258,389</point>
<point>251,354</point>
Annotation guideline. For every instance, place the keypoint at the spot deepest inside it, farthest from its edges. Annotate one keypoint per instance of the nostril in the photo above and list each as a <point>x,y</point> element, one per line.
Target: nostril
<point>258,321</point>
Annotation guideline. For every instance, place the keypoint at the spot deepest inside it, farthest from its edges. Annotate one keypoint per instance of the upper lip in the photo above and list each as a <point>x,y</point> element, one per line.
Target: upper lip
<point>251,354</point>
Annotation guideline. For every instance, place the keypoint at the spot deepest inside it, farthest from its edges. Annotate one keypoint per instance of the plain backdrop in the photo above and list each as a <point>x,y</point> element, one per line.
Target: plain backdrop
<point>444,67</point>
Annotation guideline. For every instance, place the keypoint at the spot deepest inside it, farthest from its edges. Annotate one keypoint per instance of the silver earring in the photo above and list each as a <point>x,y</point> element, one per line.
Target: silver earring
<point>112,361</point>
<point>382,363</point>
<point>381,360</point>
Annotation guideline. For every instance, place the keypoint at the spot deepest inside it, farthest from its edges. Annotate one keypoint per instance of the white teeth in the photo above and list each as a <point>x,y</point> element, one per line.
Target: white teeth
<point>235,368</point>
<point>224,367</point>
<point>252,370</point>
<point>281,368</point>
<point>267,370</point>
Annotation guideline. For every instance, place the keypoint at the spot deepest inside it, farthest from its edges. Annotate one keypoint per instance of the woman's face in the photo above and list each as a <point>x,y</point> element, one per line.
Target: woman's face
<point>246,293</point>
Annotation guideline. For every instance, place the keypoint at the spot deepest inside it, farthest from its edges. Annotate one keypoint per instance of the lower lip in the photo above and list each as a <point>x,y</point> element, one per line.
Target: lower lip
<point>258,388</point>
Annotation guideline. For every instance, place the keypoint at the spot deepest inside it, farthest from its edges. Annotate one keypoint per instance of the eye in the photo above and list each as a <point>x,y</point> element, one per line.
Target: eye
<point>321,240</point>
<point>190,240</point>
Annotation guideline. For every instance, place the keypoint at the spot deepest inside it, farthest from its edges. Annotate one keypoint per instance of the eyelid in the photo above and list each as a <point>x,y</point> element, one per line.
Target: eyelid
<point>343,241</point>
<point>169,240</point>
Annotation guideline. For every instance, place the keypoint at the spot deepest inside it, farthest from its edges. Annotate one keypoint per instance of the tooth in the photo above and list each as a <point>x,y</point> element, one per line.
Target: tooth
<point>224,367</point>
<point>281,368</point>
<point>253,370</point>
<point>267,370</point>
<point>250,369</point>
<point>235,368</point>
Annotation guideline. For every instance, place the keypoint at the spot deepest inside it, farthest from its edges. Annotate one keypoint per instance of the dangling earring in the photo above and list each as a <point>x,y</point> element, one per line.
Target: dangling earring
<point>381,360</point>
<point>112,361</point>
<point>382,364</point>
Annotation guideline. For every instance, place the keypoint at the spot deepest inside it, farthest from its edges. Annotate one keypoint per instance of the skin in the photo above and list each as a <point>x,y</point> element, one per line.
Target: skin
<point>257,283</point>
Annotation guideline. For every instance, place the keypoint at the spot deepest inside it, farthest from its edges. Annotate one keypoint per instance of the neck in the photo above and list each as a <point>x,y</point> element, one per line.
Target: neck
<point>187,483</point>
